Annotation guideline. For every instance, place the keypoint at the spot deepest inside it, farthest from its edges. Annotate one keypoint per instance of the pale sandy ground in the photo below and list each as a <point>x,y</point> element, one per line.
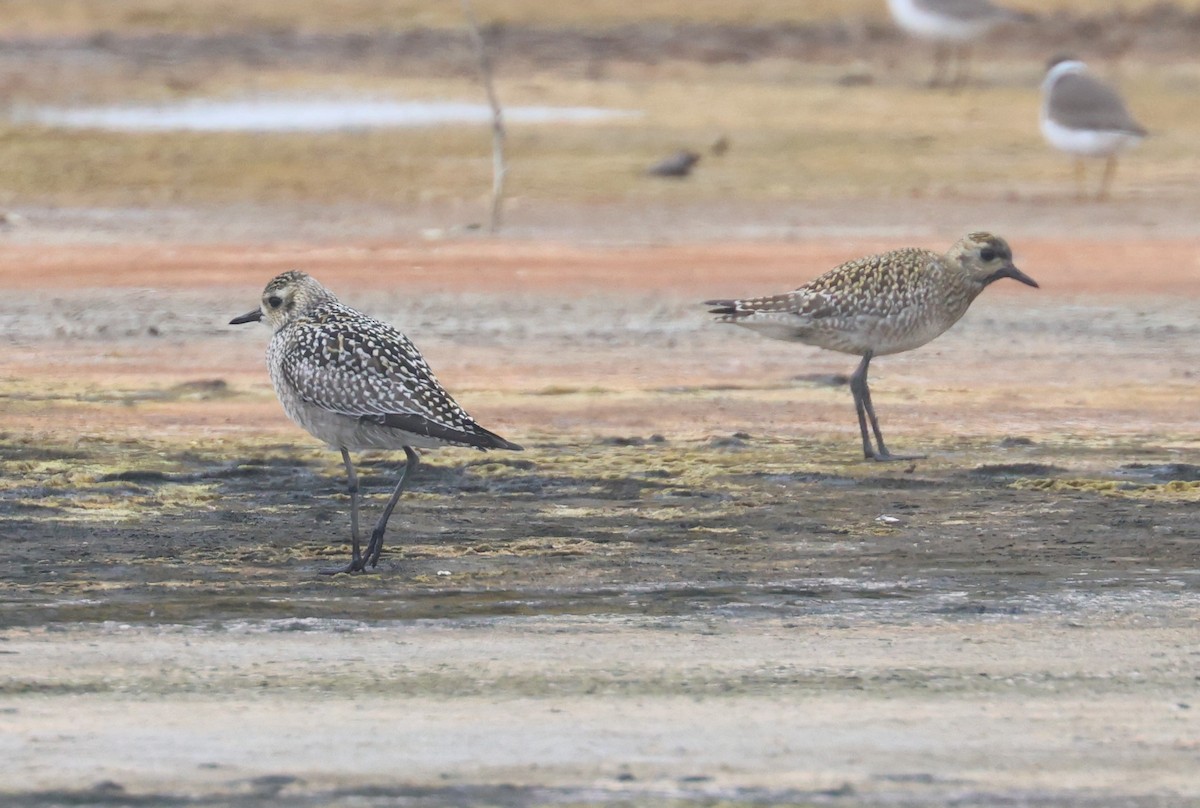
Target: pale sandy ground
<point>836,708</point>
<point>997,667</point>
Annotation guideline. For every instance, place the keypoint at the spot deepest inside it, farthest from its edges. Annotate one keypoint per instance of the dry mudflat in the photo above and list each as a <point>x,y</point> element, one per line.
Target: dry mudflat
<point>689,589</point>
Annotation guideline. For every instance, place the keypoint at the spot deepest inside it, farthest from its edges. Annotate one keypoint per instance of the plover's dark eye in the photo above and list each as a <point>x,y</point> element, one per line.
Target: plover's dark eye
<point>274,301</point>
<point>987,254</point>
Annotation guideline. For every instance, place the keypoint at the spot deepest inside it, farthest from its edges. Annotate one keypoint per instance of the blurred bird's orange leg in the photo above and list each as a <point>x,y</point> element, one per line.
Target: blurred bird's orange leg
<point>1080,195</point>
<point>1110,169</point>
<point>941,57</point>
<point>962,56</point>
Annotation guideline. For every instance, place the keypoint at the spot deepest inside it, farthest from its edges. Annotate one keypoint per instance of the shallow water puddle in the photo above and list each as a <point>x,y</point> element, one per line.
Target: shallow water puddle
<point>286,115</point>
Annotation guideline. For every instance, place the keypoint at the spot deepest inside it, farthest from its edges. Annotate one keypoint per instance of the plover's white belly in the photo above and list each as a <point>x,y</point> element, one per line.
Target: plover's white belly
<point>881,335</point>
<point>857,335</point>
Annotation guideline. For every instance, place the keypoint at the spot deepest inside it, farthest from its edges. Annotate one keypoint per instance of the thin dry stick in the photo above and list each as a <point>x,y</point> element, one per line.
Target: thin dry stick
<point>499,164</point>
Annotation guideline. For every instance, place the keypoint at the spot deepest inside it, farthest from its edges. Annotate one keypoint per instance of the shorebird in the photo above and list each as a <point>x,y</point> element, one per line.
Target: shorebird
<point>952,25</point>
<point>357,383</point>
<point>878,305</point>
<point>1085,117</point>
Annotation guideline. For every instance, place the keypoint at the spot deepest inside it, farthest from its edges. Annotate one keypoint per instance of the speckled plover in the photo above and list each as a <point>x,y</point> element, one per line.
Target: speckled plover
<point>357,383</point>
<point>878,305</point>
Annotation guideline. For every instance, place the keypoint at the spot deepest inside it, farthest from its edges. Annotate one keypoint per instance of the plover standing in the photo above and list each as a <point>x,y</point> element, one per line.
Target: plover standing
<point>878,305</point>
<point>357,383</point>
<point>952,25</point>
<point>1085,117</point>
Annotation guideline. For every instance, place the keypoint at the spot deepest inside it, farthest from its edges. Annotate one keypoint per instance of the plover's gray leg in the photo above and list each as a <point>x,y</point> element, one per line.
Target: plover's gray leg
<point>858,383</point>
<point>356,560</point>
<point>376,545</point>
<point>862,403</point>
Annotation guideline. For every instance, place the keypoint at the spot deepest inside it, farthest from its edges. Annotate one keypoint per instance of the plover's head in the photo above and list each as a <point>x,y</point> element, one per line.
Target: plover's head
<point>986,258</point>
<point>287,296</point>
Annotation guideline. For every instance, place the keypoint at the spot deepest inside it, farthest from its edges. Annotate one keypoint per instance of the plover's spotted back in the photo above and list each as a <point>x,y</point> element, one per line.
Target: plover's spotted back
<point>1085,117</point>
<point>357,383</point>
<point>881,304</point>
<point>952,25</point>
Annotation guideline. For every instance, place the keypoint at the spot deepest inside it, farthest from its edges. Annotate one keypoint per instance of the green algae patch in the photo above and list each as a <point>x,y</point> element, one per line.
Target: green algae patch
<point>1053,484</point>
<point>1182,490</point>
<point>1176,490</point>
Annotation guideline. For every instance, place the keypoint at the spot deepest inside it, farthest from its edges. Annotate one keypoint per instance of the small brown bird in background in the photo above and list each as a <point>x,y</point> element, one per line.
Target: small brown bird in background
<point>679,164</point>
<point>878,305</point>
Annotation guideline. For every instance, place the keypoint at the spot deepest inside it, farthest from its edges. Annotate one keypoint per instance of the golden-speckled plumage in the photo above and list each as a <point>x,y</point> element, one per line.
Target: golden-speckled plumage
<point>884,304</point>
<point>881,304</point>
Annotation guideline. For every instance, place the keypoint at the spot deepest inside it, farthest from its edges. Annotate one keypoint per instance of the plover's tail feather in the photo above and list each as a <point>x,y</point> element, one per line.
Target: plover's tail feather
<point>730,311</point>
<point>724,307</point>
<point>462,434</point>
